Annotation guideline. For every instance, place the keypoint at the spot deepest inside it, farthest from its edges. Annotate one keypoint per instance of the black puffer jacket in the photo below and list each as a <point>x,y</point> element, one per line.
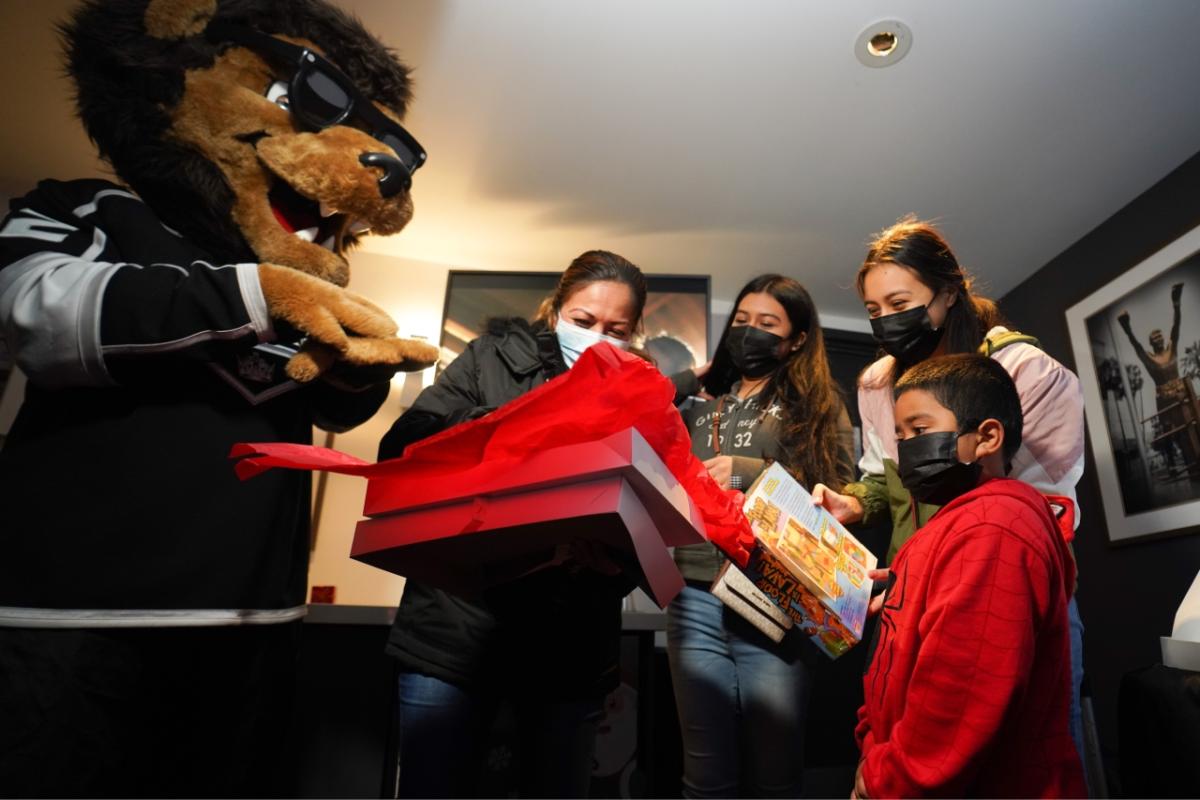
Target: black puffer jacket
<point>555,633</point>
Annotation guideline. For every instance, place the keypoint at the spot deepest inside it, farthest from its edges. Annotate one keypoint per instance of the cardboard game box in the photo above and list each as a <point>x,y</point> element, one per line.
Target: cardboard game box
<point>807,563</point>
<point>735,590</point>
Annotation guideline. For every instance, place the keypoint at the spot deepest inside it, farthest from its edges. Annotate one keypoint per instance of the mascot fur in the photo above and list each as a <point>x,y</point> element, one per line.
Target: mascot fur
<point>148,599</point>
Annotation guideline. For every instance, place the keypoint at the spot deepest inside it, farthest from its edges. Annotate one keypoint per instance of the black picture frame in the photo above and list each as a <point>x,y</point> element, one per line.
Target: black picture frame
<point>1143,424</point>
<point>677,306</point>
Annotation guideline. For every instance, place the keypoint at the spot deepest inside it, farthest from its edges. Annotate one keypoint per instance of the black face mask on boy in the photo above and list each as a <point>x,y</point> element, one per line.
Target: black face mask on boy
<point>907,335</point>
<point>930,469</point>
<point>753,351</point>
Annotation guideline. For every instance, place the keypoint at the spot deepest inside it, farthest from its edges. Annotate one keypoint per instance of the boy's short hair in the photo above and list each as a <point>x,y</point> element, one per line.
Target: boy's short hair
<point>975,388</point>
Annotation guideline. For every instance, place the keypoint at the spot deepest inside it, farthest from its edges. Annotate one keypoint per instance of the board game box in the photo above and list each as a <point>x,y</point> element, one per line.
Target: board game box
<point>807,563</point>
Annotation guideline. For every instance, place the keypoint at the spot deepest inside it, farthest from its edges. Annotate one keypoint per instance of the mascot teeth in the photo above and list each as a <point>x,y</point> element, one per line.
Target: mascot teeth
<point>330,244</point>
<point>359,226</point>
<point>327,210</point>
<point>308,234</point>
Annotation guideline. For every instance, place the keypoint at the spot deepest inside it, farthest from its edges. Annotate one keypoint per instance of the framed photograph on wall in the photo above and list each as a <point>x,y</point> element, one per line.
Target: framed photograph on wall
<point>676,318</point>
<point>1137,350</point>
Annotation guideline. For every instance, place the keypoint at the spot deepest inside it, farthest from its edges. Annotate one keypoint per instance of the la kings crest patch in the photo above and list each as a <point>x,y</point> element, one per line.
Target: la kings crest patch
<point>258,374</point>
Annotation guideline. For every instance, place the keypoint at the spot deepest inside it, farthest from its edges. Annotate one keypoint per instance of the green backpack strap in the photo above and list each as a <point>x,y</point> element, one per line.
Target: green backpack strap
<point>1000,341</point>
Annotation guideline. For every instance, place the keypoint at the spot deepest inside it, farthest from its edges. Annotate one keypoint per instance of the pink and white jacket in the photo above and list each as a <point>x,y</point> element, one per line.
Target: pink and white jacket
<point>1051,453</point>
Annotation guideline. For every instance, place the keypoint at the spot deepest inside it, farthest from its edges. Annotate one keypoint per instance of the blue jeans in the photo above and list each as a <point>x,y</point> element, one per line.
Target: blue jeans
<point>444,731</point>
<point>741,700</point>
<point>1076,721</point>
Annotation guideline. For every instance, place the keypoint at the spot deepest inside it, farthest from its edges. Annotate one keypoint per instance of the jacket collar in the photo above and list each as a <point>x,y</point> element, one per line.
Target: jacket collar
<point>526,348</point>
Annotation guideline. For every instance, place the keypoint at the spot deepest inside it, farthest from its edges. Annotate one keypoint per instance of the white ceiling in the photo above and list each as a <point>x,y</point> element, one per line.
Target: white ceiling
<point>736,137</point>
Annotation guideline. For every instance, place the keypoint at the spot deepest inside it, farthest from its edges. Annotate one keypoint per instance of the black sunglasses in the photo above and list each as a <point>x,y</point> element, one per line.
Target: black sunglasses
<point>320,95</point>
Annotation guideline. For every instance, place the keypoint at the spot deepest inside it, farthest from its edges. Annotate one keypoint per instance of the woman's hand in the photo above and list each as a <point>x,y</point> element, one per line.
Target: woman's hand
<point>721,469</point>
<point>700,372</point>
<point>879,576</point>
<point>845,508</point>
<point>590,555</point>
<point>860,788</point>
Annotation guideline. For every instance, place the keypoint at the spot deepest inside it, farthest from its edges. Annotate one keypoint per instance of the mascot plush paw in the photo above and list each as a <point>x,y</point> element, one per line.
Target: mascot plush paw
<point>148,599</point>
<point>341,326</point>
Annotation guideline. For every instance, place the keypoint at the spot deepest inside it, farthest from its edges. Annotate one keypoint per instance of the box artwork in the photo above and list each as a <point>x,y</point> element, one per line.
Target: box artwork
<point>807,562</point>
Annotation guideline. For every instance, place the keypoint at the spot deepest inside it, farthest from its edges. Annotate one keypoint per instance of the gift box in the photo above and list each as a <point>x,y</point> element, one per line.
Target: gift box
<point>807,563</point>
<point>598,454</point>
<point>490,527</point>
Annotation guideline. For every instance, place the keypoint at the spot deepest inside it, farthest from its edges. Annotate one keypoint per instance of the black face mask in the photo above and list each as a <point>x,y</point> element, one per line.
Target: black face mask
<point>907,335</point>
<point>930,469</point>
<point>753,350</point>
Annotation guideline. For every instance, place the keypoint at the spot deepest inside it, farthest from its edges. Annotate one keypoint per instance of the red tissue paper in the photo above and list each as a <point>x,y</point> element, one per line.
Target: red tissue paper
<point>607,392</point>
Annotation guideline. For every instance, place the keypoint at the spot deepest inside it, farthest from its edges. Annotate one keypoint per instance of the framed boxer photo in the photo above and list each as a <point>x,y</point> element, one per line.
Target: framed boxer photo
<point>1137,349</point>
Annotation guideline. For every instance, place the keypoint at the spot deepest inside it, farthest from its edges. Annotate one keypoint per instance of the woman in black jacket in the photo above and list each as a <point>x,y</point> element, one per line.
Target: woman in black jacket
<point>548,642</point>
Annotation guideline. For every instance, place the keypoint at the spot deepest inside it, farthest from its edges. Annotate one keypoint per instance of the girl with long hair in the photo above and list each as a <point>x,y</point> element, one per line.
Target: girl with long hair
<point>741,696</point>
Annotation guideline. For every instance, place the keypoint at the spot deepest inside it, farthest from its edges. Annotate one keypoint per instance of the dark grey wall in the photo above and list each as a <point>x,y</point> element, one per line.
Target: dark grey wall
<point>1127,594</point>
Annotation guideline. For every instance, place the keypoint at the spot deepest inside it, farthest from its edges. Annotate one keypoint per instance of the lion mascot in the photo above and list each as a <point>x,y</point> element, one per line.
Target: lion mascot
<point>150,601</point>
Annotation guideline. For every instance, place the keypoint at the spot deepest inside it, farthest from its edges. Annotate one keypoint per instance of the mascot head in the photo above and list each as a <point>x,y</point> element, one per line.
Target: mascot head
<point>263,130</point>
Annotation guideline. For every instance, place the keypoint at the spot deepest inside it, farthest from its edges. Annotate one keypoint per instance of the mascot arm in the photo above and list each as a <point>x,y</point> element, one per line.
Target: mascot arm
<point>69,303</point>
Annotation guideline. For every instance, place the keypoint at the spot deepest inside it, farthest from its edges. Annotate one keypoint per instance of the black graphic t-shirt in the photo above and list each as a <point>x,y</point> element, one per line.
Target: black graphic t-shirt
<point>747,432</point>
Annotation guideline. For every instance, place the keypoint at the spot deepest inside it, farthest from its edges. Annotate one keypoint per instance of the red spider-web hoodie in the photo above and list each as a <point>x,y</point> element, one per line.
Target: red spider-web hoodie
<point>969,681</point>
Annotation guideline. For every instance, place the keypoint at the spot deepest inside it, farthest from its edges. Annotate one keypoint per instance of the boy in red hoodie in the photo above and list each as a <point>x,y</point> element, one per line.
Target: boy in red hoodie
<point>969,682</point>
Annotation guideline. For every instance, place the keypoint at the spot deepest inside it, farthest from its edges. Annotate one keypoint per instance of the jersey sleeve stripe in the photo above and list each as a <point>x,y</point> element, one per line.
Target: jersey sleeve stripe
<point>48,292</point>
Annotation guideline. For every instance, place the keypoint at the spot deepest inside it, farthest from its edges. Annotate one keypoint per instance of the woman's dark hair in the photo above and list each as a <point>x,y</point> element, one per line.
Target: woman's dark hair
<point>918,246</point>
<point>802,384</point>
<point>592,267</point>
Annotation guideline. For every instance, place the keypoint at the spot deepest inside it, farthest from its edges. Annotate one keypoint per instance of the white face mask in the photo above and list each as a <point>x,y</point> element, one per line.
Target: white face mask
<point>574,340</point>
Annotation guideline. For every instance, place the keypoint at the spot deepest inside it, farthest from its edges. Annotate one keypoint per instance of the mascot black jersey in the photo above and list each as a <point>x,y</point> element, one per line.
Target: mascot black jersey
<point>149,600</point>
<point>123,507</point>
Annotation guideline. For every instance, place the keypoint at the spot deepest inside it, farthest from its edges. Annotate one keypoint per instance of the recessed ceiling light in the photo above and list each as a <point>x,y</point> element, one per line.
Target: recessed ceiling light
<point>883,43</point>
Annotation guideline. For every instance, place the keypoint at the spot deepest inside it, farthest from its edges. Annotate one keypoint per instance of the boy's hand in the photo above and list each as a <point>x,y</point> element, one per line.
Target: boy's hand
<point>721,469</point>
<point>1123,319</point>
<point>878,576</point>
<point>845,508</point>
